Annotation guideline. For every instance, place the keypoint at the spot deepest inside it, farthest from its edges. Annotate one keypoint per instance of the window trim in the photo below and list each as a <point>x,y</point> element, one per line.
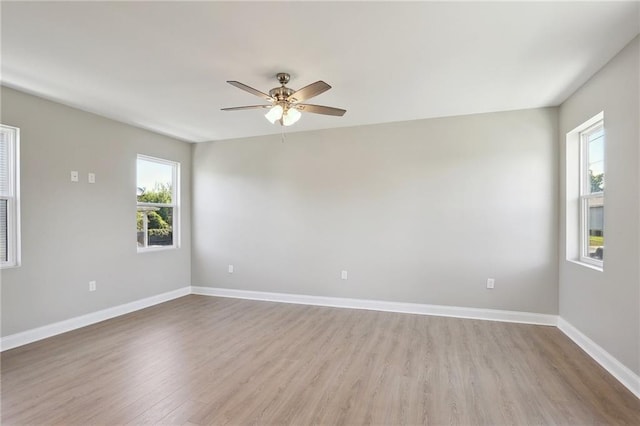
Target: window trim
<point>577,196</point>
<point>13,199</point>
<point>175,197</point>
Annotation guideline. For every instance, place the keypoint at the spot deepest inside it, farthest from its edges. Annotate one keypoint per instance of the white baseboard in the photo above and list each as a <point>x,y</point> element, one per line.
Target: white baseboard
<point>29,336</point>
<point>379,305</point>
<point>624,375</point>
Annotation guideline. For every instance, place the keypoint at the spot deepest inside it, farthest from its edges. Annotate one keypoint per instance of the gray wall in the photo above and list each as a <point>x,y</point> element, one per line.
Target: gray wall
<point>605,305</point>
<point>76,232</point>
<point>422,211</point>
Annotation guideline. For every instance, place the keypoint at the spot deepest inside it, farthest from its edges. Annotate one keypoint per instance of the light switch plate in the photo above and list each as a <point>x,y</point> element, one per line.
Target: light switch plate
<point>74,176</point>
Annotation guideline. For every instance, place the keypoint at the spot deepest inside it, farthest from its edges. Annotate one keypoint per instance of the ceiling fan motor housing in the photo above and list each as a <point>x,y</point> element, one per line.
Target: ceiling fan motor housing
<point>280,93</point>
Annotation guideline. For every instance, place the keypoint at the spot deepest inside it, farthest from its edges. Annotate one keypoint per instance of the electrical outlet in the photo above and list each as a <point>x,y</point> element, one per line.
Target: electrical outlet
<point>344,275</point>
<point>92,286</point>
<point>491,282</point>
<point>92,178</point>
<point>230,269</point>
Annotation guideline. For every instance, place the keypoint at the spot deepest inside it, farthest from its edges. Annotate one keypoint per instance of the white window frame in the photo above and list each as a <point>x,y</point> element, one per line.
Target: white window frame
<point>12,196</point>
<point>175,204</point>
<point>586,195</point>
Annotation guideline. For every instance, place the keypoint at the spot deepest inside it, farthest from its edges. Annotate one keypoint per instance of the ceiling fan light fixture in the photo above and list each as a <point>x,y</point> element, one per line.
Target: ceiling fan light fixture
<point>274,114</point>
<point>291,116</point>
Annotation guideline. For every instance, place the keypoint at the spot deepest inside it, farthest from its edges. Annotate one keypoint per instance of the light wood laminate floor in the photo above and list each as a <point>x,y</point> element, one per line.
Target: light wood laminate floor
<point>203,360</point>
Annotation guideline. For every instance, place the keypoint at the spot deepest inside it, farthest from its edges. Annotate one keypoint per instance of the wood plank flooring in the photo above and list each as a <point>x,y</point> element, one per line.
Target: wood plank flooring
<point>203,360</point>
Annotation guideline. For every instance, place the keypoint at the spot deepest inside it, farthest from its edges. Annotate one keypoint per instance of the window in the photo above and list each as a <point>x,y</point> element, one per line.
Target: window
<point>9,197</point>
<point>592,183</point>
<point>157,215</point>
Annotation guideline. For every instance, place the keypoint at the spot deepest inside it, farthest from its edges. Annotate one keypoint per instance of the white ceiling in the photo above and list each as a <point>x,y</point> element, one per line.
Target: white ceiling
<point>163,65</point>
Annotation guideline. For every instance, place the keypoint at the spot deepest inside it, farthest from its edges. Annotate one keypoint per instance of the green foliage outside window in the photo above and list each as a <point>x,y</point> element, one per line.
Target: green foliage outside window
<point>597,182</point>
<point>160,220</point>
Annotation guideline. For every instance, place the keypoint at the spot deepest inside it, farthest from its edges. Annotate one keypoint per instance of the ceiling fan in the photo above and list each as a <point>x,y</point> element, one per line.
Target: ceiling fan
<point>285,103</point>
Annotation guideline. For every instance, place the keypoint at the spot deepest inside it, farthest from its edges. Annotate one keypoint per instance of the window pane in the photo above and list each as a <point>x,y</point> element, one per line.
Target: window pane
<point>160,229</point>
<point>154,226</point>
<point>595,221</point>
<point>595,141</point>
<point>154,182</point>
<point>4,241</point>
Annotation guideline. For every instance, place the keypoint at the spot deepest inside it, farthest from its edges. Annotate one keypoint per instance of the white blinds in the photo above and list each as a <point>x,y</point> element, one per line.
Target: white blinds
<point>4,241</point>
<point>5,179</point>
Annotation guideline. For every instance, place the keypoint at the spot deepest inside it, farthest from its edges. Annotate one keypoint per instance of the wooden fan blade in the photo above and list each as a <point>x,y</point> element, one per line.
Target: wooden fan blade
<point>246,107</point>
<point>320,109</point>
<point>308,92</point>
<point>250,90</point>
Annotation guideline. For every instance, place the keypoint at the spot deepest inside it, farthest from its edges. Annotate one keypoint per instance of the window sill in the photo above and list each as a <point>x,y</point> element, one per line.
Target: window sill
<point>9,266</point>
<point>154,249</point>
<point>586,265</point>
